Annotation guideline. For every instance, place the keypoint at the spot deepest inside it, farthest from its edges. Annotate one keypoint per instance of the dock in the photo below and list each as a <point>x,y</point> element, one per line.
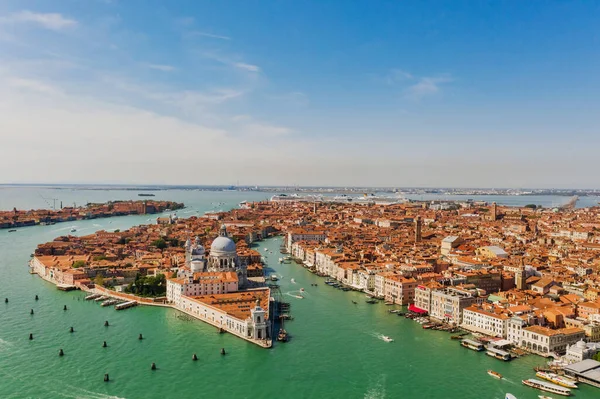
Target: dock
<point>66,287</point>
<point>126,305</point>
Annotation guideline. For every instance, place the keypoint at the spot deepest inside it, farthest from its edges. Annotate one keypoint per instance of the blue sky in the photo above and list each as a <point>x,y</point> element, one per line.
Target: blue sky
<point>379,93</point>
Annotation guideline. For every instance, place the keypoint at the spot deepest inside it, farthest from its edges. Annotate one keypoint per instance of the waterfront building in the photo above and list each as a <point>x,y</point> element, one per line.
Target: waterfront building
<point>423,295</point>
<point>202,283</point>
<point>447,304</point>
<point>546,342</point>
<point>492,322</point>
<point>244,314</point>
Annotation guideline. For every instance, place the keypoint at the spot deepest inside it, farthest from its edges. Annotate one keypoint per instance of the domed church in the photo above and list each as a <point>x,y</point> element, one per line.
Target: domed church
<point>222,257</point>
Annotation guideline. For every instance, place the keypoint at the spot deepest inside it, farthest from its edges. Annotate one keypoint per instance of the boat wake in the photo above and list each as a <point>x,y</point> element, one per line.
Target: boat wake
<point>80,393</point>
<point>295,294</point>
<point>377,391</point>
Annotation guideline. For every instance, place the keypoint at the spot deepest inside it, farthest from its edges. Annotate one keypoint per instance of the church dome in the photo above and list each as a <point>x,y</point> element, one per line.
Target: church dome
<point>222,244</point>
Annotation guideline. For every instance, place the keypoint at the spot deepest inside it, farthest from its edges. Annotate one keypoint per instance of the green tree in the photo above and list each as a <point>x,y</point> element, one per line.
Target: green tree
<point>99,280</point>
<point>160,243</point>
<point>99,258</point>
<point>78,264</point>
<point>532,206</point>
<point>596,357</point>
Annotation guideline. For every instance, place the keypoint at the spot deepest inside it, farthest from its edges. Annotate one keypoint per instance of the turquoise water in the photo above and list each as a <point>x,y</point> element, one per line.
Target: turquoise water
<point>335,350</point>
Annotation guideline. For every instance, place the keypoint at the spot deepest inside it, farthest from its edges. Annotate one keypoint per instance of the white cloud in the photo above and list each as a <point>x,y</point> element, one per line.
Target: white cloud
<point>52,21</point>
<point>246,67</point>
<point>32,85</point>
<point>426,86</point>
<point>206,34</point>
<point>161,67</point>
<point>397,75</point>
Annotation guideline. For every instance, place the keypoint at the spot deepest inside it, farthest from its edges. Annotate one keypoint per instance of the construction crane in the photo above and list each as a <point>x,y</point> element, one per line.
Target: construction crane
<point>49,199</point>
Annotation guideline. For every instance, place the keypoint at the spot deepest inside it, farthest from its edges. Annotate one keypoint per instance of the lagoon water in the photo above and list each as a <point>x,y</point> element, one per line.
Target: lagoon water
<point>335,350</point>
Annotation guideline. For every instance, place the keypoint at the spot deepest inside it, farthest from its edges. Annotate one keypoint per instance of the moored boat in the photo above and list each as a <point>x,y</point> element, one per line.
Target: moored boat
<point>92,296</point>
<point>546,386</point>
<point>495,374</point>
<point>557,379</point>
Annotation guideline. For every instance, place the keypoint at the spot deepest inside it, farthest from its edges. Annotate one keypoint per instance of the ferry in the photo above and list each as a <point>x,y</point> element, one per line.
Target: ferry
<point>387,339</point>
<point>557,379</point>
<point>546,386</point>
<point>474,345</point>
<point>495,374</point>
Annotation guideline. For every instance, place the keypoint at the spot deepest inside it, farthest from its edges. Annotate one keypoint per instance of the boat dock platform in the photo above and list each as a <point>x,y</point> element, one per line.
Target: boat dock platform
<point>126,305</point>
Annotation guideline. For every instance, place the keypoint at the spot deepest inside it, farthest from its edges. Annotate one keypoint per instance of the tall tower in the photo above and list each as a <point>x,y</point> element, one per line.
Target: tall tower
<point>494,215</point>
<point>520,279</point>
<point>258,319</point>
<point>418,225</point>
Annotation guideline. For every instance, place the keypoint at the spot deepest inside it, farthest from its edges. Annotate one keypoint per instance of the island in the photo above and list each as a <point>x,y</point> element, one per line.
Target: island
<point>23,218</point>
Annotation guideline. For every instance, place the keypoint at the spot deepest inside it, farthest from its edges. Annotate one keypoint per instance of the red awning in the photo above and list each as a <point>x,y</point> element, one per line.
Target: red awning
<point>415,309</point>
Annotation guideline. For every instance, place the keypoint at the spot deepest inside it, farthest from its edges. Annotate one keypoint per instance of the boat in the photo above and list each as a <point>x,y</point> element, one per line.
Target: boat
<point>12,230</point>
<point>371,301</point>
<point>301,289</point>
<point>544,397</point>
<point>265,249</point>
<point>387,339</point>
<point>73,230</point>
<point>92,296</point>
<point>274,277</point>
<point>101,298</point>
<point>546,386</point>
<point>280,260</point>
<point>557,379</point>
<point>282,336</point>
<point>510,396</point>
<point>145,195</point>
<point>495,374</point>
<point>292,281</point>
<point>474,345</point>
<point>354,302</point>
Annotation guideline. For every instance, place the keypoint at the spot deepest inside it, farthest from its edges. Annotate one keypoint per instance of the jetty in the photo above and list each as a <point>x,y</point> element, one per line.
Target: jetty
<point>126,305</point>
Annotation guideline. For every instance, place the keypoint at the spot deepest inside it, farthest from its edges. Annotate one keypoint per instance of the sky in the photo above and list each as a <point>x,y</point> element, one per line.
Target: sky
<point>336,93</point>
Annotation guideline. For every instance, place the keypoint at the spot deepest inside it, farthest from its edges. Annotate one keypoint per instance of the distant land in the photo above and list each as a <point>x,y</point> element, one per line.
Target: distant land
<point>320,189</point>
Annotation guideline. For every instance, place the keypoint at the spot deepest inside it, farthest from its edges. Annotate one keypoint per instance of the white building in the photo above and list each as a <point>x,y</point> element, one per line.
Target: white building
<point>489,323</point>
